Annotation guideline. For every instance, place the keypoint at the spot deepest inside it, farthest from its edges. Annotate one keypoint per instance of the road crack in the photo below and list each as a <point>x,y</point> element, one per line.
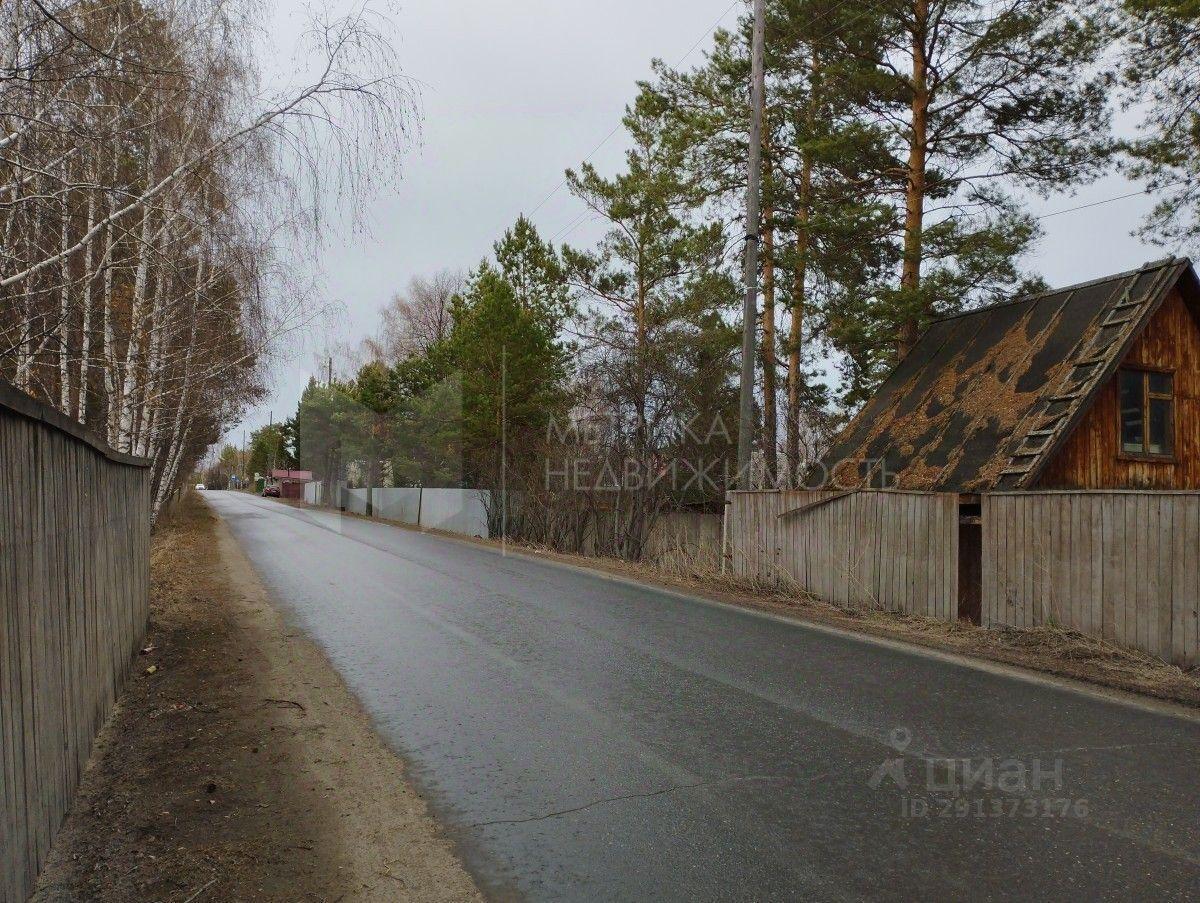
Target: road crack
<point>674,788</point>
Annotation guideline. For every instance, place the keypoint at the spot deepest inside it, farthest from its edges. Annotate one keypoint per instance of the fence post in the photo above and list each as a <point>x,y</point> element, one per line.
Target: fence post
<point>724,531</point>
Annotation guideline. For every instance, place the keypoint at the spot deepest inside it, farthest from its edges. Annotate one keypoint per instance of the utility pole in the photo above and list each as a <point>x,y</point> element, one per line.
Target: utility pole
<point>329,374</point>
<point>758,90</point>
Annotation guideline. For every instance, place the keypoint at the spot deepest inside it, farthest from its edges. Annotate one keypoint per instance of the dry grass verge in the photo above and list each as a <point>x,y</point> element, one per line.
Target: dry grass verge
<point>236,765</point>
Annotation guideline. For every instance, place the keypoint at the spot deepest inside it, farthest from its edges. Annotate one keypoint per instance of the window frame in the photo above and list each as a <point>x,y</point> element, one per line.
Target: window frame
<point>1144,371</point>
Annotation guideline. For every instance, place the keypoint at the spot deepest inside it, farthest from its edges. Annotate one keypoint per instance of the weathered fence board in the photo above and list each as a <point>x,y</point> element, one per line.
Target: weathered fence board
<point>1121,565</point>
<point>74,595</point>
<point>896,551</point>
<point>693,536</point>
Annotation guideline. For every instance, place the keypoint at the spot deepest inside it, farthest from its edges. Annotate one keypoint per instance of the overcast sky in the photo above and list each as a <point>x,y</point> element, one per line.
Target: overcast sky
<point>515,91</point>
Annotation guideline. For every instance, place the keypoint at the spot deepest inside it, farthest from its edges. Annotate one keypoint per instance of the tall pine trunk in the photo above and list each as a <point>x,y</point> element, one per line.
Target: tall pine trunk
<point>795,344</point>
<point>914,195</point>
<point>630,541</point>
<point>769,366</point>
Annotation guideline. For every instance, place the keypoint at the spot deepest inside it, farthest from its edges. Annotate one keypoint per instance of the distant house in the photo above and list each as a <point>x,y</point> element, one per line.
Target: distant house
<point>291,482</point>
<point>1092,386</point>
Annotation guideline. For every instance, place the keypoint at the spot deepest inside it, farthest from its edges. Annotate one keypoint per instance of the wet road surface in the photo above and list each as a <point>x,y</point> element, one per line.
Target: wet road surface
<point>585,739</point>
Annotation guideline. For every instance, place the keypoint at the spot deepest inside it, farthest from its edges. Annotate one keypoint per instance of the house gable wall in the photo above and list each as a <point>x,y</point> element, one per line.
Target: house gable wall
<point>1091,457</point>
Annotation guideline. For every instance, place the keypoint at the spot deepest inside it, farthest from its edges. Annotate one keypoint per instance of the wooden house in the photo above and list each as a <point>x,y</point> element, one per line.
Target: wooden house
<point>1092,386</point>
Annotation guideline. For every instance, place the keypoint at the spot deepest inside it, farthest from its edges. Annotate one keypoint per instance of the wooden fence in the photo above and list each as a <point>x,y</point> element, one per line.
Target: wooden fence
<point>74,594</point>
<point>685,536</point>
<point>1120,565</point>
<point>885,549</point>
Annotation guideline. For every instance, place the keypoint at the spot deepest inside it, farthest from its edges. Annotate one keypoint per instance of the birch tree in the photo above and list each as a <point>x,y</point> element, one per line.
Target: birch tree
<point>150,188</point>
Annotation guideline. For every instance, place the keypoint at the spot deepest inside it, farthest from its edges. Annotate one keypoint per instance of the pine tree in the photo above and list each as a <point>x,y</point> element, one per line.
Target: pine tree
<point>636,280</point>
<point>826,214</point>
<point>533,268</point>
<point>1160,74</point>
<point>324,418</point>
<point>647,286</point>
<point>836,207</point>
<point>979,97</point>
<point>512,369</point>
<point>271,448</point>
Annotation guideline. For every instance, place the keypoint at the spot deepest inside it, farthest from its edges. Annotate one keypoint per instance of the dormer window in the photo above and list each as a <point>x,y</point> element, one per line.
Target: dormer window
<point>1147,413</point>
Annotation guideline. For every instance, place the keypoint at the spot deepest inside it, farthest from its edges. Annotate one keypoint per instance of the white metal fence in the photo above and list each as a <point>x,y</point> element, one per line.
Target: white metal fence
<point>454,510</point>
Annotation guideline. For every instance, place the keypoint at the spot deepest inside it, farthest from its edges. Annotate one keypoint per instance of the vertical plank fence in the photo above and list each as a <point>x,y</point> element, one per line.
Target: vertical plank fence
<point>896,551</point>
<point>1122,565</point>
<point>74,596</point>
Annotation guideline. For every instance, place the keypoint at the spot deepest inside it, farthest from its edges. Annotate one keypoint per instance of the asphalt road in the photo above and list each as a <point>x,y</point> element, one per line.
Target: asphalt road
<point>587,739</point>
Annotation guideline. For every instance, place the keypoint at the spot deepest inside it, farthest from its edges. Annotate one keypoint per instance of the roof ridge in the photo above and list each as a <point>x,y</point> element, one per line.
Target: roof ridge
<point>1147,267</point>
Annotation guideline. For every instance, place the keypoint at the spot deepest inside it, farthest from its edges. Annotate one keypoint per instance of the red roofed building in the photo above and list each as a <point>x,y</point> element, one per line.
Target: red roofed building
<point>291,482</point>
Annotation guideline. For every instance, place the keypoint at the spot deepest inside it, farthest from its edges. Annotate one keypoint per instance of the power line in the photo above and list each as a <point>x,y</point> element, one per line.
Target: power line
<point>1119,197</point>
<point>571,227</point>
<point>595,150</point>
<point>578,221</point>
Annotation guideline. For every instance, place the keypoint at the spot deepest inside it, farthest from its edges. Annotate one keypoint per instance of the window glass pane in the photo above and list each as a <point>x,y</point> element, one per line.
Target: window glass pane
<point>1131,411</point>
<point>1160,427</point>
<point>1160,383</point>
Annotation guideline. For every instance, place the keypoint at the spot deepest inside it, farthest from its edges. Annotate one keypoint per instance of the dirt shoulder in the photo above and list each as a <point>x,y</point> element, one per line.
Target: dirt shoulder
<point>1047,650</point>
<point>237,766</point>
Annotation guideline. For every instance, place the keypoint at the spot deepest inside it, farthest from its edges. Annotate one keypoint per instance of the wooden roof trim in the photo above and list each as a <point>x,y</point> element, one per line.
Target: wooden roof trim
<point>819,503</point>
<point>1191,297</point>
<point>1168,277</point>
<point>1058,290</point>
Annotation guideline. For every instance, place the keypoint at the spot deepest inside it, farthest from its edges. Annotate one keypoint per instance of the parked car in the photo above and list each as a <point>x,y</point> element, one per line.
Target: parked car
<point>199,487</point>
<point>271,492</point>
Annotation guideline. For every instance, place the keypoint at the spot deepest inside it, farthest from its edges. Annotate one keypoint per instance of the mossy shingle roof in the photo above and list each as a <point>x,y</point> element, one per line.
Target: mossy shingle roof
<point>985,398</point>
